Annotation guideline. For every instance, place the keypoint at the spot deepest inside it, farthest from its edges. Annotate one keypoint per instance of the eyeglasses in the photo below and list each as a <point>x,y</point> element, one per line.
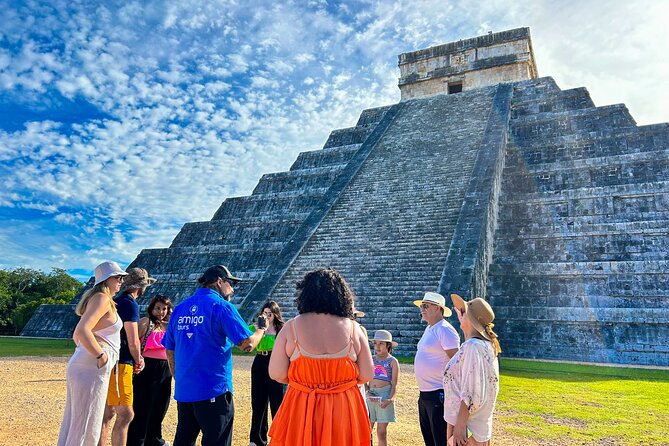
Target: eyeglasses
<point>120,278</point>
<point>267,313</point>
<point>425,306</point>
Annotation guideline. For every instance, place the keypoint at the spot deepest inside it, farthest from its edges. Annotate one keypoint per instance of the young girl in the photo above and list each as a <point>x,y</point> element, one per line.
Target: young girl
<point>153,386</point>
<point>471,378</point>
<point>382,389</point>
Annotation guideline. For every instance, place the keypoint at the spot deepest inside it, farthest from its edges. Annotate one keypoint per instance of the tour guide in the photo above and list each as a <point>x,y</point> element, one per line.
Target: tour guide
<point>199,340</point>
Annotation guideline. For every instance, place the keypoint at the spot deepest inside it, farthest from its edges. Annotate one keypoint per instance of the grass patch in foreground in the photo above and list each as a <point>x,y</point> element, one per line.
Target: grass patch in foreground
<point>18,346</point>
<point>583,404</point>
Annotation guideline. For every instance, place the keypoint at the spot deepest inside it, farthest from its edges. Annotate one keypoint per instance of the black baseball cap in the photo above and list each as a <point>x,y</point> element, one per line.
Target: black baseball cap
<point>214,272</point>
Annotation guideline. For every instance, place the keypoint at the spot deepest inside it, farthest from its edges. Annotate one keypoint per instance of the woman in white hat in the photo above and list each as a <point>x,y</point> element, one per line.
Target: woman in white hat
<point>382,389</point>
<point>471,379</point>
<point>98,342</point>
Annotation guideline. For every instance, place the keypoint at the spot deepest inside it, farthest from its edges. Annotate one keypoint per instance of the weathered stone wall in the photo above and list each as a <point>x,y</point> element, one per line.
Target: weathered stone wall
<point>478,62</point>
<point>581,250</point>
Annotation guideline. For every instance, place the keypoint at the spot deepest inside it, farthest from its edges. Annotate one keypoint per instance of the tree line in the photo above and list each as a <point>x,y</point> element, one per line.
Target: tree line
<point>22,290</point>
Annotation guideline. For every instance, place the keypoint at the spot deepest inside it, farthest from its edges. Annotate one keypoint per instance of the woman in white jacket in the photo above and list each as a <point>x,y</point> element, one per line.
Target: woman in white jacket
<point>471,378</point>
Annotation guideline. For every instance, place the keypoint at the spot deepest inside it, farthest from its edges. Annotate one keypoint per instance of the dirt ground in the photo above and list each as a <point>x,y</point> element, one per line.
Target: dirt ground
<point>32,398</point>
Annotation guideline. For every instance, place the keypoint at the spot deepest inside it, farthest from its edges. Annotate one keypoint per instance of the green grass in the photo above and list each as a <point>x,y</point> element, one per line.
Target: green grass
<point>583,404</point>
<point>18,346</point>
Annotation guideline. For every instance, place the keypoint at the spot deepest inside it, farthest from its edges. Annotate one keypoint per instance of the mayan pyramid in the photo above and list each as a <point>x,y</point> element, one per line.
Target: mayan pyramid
<point>484,180</point>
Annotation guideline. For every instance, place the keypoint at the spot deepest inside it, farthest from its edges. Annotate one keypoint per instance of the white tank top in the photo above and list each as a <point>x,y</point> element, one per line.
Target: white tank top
<point>111,335</point>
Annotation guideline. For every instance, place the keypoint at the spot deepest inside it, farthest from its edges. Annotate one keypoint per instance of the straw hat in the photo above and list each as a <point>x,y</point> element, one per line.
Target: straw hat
<point>434,298</point>
<point>384,336</point>
<point>137,278</point>
<point>105,270</point>
<point>478,312</point>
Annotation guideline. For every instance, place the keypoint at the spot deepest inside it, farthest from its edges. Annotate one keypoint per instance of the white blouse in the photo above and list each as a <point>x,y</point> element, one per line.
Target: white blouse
<point>472,376</point>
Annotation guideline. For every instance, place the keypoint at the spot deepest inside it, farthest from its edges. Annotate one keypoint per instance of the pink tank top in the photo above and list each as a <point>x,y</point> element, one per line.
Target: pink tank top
<point>154,348</point>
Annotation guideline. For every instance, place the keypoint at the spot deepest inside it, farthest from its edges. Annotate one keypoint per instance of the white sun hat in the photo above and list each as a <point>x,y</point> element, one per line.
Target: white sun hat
<point>105,270</point>
<point>434,298</point>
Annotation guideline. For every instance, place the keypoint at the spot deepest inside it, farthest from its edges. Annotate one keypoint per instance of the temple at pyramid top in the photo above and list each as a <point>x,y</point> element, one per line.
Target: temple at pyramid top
<point>466,64</point>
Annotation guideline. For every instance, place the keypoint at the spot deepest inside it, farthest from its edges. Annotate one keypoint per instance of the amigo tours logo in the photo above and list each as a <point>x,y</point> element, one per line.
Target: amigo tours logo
<point>191,320</point>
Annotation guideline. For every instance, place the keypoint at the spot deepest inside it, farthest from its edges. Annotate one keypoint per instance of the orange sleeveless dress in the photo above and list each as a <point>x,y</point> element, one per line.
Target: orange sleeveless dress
<point>323,406</point>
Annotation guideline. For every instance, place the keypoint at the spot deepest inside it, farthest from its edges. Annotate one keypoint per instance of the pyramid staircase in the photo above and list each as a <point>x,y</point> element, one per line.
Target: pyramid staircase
<point>391,227</point>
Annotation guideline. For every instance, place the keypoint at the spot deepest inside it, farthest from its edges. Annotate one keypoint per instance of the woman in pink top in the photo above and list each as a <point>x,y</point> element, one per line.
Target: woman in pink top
<point>153,386</point>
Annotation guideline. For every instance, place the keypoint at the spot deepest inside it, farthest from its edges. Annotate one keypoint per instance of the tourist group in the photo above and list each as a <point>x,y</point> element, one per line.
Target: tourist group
<point>316,372</point>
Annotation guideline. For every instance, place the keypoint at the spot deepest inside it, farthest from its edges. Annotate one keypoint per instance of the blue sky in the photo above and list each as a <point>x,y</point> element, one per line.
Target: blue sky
<point>121,121</point>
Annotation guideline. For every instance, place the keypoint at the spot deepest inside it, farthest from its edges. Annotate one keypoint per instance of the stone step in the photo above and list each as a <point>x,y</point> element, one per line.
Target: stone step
<point>552,125</point>
<point>569,228</point>
<point>644,171</point>
<point>516,165</point>
<point>348,136</point>
<point>623,141</point>
<point>298,181</point>
<point>372,115</point>
<point>645,135</point>
<point>213,232</point>
<point>578,269</point>
<point>580,248</point>
<point>564,100</point>
<point>268,204</point>
<point>656,188</point>
<point>325,157</point>
<point>534,88</point>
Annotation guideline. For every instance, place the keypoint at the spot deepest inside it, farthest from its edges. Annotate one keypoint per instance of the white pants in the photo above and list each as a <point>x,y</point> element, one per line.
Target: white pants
<point>86,397</point>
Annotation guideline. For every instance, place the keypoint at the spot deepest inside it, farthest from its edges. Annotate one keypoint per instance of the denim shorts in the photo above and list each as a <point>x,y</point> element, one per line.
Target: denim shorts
<point>376,414</point>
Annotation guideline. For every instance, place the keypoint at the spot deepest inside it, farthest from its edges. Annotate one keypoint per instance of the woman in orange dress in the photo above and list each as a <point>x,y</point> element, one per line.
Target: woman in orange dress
<point>322,354</point>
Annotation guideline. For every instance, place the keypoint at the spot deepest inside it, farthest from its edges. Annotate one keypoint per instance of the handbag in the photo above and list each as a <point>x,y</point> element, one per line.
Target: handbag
<point>146,336</point>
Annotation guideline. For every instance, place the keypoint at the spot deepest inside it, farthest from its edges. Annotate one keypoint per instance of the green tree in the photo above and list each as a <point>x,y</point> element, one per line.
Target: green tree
<point>23,290</point>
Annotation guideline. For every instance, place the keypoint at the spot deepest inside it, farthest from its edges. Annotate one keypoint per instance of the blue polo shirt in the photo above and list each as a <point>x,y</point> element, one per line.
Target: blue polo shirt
<point>202,331</point>
<point>128,310</point>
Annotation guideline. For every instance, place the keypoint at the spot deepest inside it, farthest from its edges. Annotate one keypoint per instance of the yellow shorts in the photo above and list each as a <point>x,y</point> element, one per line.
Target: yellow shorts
<point>122,396</point>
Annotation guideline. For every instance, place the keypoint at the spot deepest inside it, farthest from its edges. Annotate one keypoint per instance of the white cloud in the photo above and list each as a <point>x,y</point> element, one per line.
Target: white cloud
<point>199,99</point>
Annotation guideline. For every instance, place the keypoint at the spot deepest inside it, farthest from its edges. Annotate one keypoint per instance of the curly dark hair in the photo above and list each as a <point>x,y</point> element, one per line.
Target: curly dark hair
<point>278,317</point>
<point>324,290</point>
<point>163,300</point>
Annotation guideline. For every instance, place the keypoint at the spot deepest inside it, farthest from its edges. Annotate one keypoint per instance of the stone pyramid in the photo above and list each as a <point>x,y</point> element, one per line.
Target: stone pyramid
<point>483,180</point>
